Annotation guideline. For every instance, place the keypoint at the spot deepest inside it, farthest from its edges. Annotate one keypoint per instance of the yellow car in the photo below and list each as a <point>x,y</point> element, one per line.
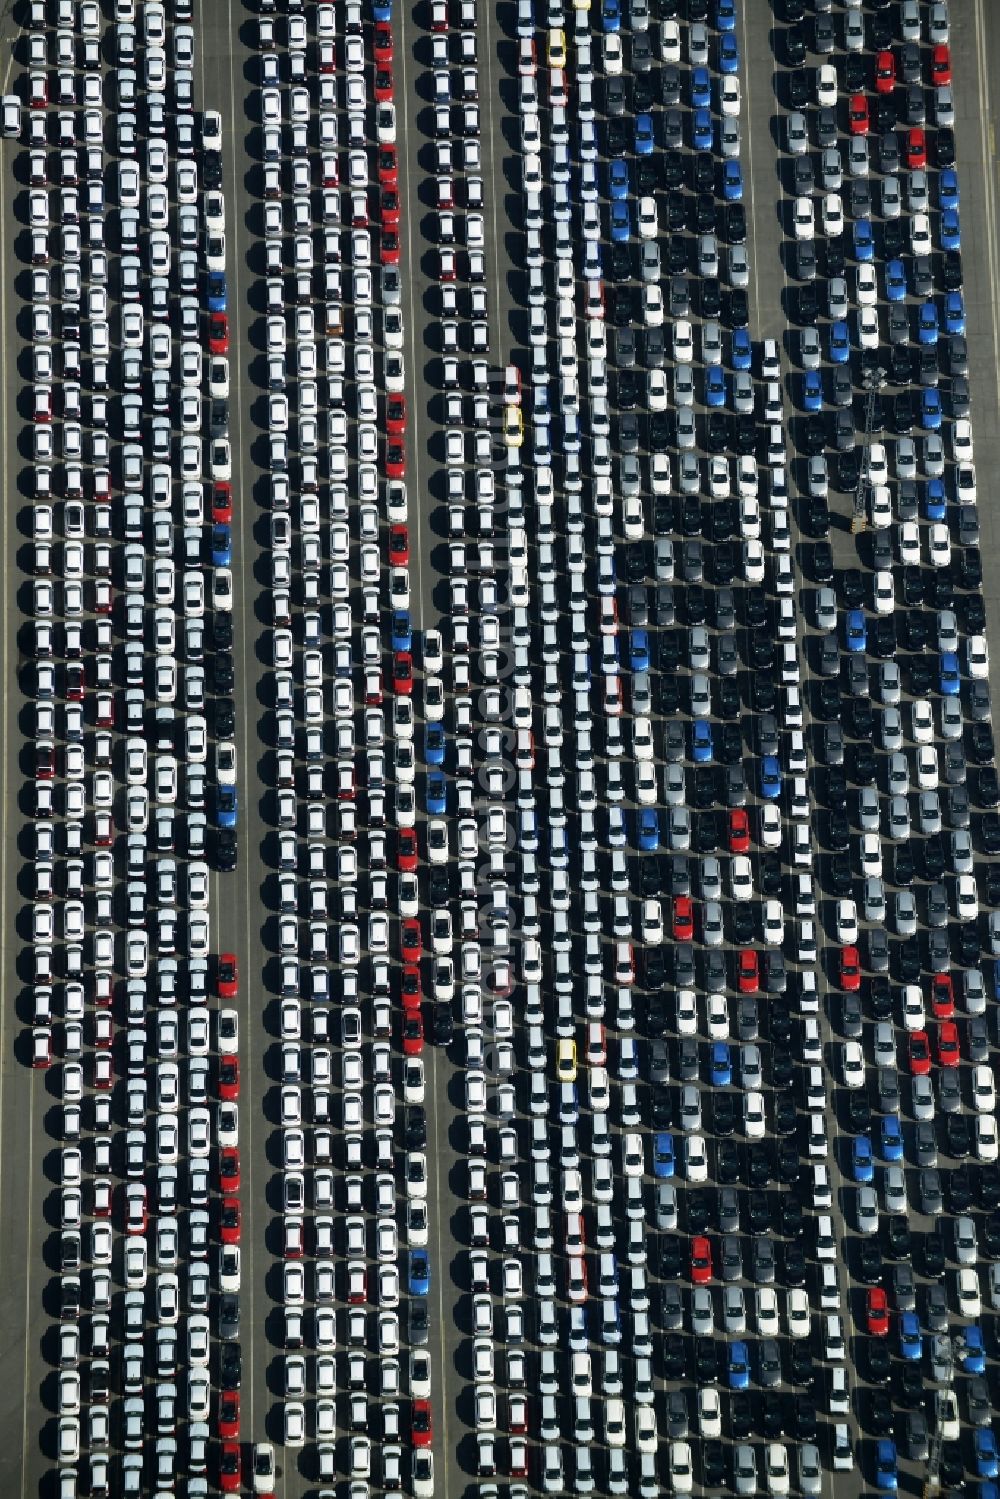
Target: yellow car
<point>513,426</point>
<point>566,1061</point>
<point>557,48</point>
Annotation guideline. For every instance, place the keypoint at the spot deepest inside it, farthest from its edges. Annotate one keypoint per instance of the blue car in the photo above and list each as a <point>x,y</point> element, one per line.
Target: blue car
<point>742,350</point>
<point>721,1064</point>
<point>930,410</point>
<point>895,281</point>
<point>862,1159</point>
<point>663,1154</point>
<point>950,680</point>
<point>434,744</point>
<point>770,778</point>
<point>402,634</point>
<point>420,1273</point>
<point>985,1446</point>
<point>618,183</point>
<point>732,182</point>
<point>927,324</point>
<point>701,89</point>
<point>812,390</point>
<point>864,240</point>
<point>729,54</point>
<point>701,742</point>
<point>715,386</point>
<point>437,793</point>
<point>885,1465</point>
<point>951,229</point>
<point>954,312</point>
<point>644,135</point>
<point>857,631</point>
<point>725,15</point>
<point>381,10</point>
<point>911,1339</point>
<point>840,342</point>
<point>701,130</point>
<point>222,546</point>
<point>934,498</point>
<point>216,291</point>
<point>639,655</point>
<point>738,1365</point>
<point>648,830</point>
<point>611,15</point>
<point>620,229</point>
<point>892,1138</point>
<point>972,1355</point>
<point>948,188</point>
<point>227,807</point>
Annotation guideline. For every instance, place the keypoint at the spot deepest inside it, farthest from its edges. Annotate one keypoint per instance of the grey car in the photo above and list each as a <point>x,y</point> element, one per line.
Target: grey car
<point>731,1257</point>
<point>925,1144</point>
<point>936,1308</point>
<point>931,1197</point>
<point>763,1260</point>
<point>770,1363</point>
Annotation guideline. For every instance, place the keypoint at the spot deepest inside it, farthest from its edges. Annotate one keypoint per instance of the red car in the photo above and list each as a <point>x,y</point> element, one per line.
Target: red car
<point>388,166</point>
<point>920,1054</point>
<point>942,996</point>
<point>227,982</point>
<point>229,1468</point>
<point>421,1423</point>
<point>947,1044</point>
<point>701,1260</point>
<point>683,919</point>
<point>395,459</point>
<point>395,422</point>
<point>388,208</point>
<point>229,1416</point>
<point>885,73</point>
<point>748,971</point>
<point>399,544</point>
<point>406,852</point>
<point>412,940</point>
<point>916,148</point>
<point>411,989</point>
<point>222,504</point>
<point>229,1171</point>
<point>402,673</point>
<point>413,1031</point>
<point>229,1079</point>
<point>850,969</point>
<point>941,65</point>
<point>218,333</point>
<point>229,1220</point>
<point>383,84</point>
<point>857,113</point>
<point>878,1312</point>
<point>389,249</point>
<point>383,43</point>
<point>739,831</point>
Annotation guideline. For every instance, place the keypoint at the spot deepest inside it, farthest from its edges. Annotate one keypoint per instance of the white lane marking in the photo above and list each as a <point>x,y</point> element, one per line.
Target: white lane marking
<point>414,381</point>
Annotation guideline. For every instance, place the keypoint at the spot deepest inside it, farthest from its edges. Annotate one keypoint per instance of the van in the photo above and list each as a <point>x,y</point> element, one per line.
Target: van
<point>802,852</point>
<point>550,1429</point>
<point>815,1088</point>
<point>808,992</point>
<point>840,1401</point>
<point>818,1144</point>
<point>642,1338</point>
<point>812,1046</point>
<point>604,1218</point>
<point>829,1288</point>
<point>834,1344</point>
<point>826,1242</point>
<point>649,1482</point>
<point>805,895</point>
<point>822,1192</point>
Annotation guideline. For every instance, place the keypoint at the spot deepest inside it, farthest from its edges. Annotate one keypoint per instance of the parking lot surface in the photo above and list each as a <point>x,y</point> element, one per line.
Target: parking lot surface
<point>501,917</point>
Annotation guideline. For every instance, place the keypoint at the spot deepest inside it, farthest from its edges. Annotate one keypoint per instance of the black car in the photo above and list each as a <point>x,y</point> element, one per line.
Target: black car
<point>772,1419</point>
<point>854,73</point>
<point>711,297</point>
<point>785,1114</point>
<point>801,1370</point>
<point>958,1187</point>
<point>816,517</point>
<point>212,169</point>
<point>706,1361</point>
<point>739,307</point>
<point>788,1162</point>
<point>781,1069</point>
<point>440,885</point>
<point>736,223</point>
<point>945,146</point>
<point>934,858</point>
<point>973,610</point>
<point>904,866</point>
<point>869,1262</point>
<point>415,1129</point>
<point>822,562</point>
<point>898,1237</point>
<point>724,1113</point>
<point>703,177</point>
<point>879,1364</point>
<point>988,788</point>
<point>798,89</point>
<point>674,1356</point>
<point>671,1257</point>
<point>229,1318</point>
<point>880,996</point>
<point>933,1256</point>
<point>989,1188</point>
<point>419,1321</point>
<point>727,1162</point>
<point>741,1419</point>
<point>838,834</point>
<point>880,1412</point>
<point>224,672</point>
<point>803,1418</point>
<point>225,718</point>
<point>226,850</point>
<point>230,1366</point>
<point>643,100</point>
<point>673,170</point>
<point>835,262</point>
<point>760,1163</point>
<point>713,1464</point>
<point>444,1024</point>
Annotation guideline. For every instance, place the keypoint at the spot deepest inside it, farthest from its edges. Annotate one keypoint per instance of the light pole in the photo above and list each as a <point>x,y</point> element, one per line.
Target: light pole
<point>874,381</point>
